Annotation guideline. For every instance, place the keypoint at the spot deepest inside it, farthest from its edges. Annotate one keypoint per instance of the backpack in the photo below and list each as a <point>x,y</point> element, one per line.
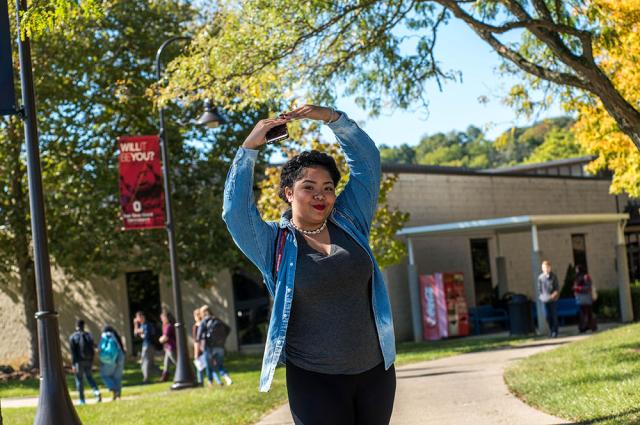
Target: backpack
<point>85,346</point>
<point>109,349</point>
<point>278,251</point>
<point>215,333</point>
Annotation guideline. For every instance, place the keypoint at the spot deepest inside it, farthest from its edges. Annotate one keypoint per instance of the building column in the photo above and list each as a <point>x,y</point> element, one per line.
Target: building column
<point>535,265</point>
<point>414,294</point>
<point>626,309</point>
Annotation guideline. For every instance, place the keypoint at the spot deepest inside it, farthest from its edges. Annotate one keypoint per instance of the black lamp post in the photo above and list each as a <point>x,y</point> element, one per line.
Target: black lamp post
<point>184,377</point>
<point>54,403</point>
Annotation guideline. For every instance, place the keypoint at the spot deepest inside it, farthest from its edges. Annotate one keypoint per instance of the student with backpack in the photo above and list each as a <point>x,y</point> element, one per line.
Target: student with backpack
<point>212,335</point>
<point>111,354</point>
<point>82,353</point>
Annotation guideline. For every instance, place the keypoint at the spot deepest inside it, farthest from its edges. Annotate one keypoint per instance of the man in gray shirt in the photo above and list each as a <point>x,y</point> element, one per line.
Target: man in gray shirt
<point>548,293</point>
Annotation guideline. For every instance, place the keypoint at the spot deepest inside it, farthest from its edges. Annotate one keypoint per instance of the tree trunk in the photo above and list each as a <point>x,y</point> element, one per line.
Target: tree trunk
<point>625,115</point>
<point>19,217</point>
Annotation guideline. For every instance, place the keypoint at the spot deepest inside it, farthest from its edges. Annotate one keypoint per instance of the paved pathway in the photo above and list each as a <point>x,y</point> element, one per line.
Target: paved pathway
<point>33,401</point>
<point>459,390</point>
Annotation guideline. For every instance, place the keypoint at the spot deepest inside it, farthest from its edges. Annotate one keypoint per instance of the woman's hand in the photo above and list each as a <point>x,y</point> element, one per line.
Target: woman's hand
<point>313,112</point>
<point>256,138</point>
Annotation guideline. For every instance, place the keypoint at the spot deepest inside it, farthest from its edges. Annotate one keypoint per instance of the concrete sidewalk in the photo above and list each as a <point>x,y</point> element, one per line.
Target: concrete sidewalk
<point>460,390</point>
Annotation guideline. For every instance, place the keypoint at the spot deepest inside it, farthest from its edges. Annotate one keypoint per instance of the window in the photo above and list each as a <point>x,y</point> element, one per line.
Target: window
<point>633,255</point>
<point>481,271</point>
<point>579,245</point>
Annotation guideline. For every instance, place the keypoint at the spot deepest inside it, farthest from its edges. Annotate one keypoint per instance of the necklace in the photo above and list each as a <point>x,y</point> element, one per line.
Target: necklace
<point>310,232</point>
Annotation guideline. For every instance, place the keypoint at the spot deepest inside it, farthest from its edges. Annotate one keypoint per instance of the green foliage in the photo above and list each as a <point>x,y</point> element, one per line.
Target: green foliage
<point>608,304</point>
<point>547,140</point>
<point>256,50</point>
<point>558,143</point>
<point>91,84</point>
<point>58,15</point>
<point>403,154</point>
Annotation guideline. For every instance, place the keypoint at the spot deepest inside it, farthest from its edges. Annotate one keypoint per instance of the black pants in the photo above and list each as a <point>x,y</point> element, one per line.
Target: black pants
<point>321,399</point>
<point>587,319</point>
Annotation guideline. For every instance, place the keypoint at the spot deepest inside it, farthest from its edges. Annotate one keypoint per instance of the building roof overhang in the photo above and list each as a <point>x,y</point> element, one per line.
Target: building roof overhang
<point>513,224</point>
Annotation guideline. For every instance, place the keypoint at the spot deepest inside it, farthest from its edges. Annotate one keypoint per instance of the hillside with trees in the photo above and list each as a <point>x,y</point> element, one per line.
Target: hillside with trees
<point>542,141</point>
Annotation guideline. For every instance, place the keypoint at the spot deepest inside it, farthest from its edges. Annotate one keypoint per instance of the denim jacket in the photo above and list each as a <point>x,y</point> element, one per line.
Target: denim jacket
<point>353,212</point>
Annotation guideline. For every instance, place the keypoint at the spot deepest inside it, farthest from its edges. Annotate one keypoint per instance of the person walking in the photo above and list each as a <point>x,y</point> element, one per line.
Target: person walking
<point>583,291</point>
<point>168,341</point>
<point>331,318</point>
<point>197,345</point>
<point>548,293</point>
<point>82,353</point>
<point>213,333</point>
<point>111,354</point>
<point>145,330</point>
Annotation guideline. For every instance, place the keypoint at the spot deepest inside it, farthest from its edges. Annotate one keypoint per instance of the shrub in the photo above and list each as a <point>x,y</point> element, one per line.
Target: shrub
<point>608,304</point>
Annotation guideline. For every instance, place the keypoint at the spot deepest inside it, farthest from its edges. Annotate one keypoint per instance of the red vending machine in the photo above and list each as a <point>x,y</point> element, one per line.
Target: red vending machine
<point>434,308</point>
<point>444,306</point>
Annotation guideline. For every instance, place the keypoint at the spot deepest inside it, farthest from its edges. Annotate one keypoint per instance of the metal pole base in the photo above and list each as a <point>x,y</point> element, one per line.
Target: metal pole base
<point>54,404</point>
<point>183,385</point>
<point>184,377</point>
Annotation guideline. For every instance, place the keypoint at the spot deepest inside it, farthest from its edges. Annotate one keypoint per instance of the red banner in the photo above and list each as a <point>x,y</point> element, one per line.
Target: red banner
<point>141,188</point>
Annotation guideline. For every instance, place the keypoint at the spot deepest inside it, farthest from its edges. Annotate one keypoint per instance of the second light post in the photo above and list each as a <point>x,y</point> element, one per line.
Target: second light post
<point>184,377</point>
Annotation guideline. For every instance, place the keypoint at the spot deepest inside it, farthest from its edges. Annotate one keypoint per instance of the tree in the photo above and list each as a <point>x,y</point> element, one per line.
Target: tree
<point>618,51</point>
<point>403,154</point>
<point>558,143</point>
<point>91,83</point>
<point>356,45</point>
<point>469,149</point>
<point>386,248</point>
<point>516,146</point>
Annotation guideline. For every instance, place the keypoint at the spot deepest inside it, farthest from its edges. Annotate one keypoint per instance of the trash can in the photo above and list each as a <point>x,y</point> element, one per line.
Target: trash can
<point>520,317</point>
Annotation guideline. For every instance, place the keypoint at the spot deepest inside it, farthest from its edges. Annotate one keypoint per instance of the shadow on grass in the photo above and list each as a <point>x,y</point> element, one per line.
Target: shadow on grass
<point>624,417</point>
<point>537,345</point>
<point>132,375</point>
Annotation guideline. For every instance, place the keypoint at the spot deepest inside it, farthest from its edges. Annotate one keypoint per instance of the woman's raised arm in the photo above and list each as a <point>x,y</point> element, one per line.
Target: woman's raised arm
<point>254,236</point>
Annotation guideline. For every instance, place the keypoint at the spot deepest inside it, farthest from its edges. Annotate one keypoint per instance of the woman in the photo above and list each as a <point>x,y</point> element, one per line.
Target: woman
<point>336,333</point>
<point>582,289</point>
<point>197,347</point>
<point>112,355</point>
<point>168,341</point>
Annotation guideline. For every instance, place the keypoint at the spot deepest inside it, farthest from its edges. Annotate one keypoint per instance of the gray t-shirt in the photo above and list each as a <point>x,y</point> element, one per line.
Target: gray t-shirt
<point>332,329</point>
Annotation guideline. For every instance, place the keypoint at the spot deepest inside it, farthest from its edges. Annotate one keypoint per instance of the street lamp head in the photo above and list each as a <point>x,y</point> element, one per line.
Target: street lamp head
<point>210,117</point>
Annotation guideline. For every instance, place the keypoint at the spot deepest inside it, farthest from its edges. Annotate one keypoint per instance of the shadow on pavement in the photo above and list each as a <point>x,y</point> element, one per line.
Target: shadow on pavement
<point>432,374</point>
<point>631,416</point>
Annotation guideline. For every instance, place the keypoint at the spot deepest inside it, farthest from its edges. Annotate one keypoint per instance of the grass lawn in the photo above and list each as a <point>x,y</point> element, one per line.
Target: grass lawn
<point>594,381</point>
<point>240,403</point>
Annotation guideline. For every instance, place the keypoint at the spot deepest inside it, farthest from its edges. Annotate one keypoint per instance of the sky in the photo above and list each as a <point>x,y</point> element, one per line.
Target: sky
<point>456,107</point>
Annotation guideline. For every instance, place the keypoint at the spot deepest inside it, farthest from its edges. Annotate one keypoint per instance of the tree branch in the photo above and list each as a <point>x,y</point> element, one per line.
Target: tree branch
<point>486,34</point>
<point>548,34</point>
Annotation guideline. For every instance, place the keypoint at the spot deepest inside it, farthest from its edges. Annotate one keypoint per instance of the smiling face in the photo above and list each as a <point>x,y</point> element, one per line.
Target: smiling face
<point>311,198</point>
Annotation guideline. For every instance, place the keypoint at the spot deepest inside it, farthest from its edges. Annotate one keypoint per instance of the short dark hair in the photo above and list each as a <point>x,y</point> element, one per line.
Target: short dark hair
<point>293,169</point>
<point>80,324</point>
